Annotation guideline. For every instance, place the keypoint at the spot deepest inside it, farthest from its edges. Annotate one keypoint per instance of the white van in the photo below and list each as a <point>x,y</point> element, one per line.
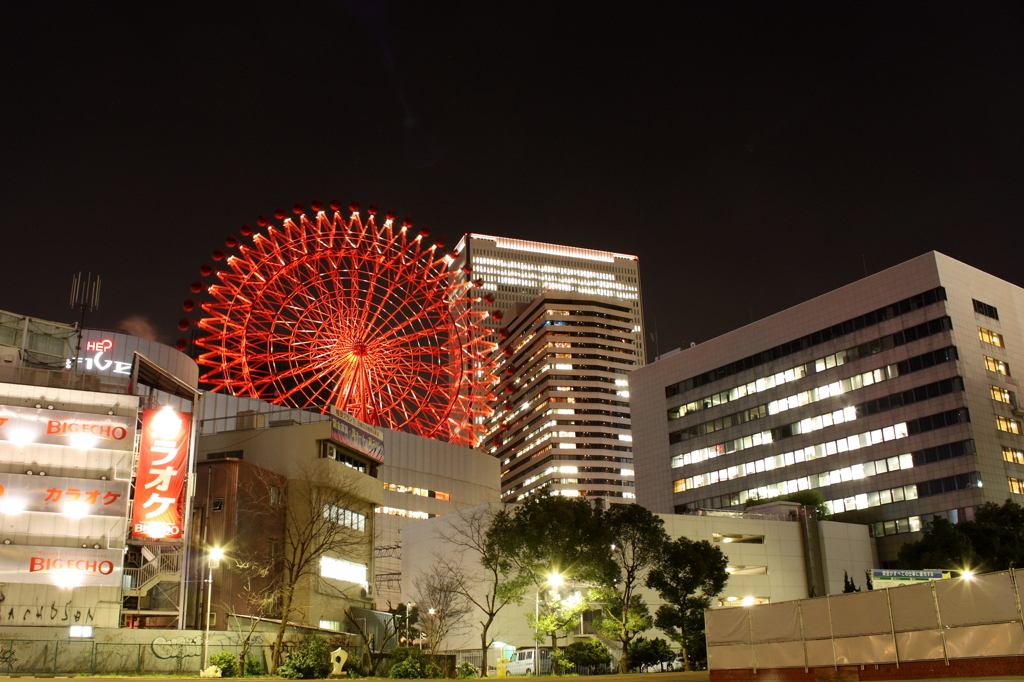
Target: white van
<point>522,662</point>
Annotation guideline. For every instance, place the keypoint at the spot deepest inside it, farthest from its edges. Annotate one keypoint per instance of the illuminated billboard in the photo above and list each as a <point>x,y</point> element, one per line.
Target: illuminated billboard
<point>72,497</point>
<point>26,425</point>
<point>357,435</point>
<point>160,481</point>
<point>63,566</point>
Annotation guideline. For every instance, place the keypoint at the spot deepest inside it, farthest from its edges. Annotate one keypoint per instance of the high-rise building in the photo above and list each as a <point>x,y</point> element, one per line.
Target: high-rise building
<point>892,396</point>
<point>562,418</point>
<point>569,327</point>
<point>517,271</point>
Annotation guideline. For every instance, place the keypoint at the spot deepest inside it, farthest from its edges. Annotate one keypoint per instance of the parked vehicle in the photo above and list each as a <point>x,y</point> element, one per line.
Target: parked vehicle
<point>522,662</point>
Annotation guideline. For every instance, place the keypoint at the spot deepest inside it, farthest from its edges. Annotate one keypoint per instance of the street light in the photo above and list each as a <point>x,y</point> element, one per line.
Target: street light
<point>213,557</point>
<point>430,612</point>
<point>554,580</point>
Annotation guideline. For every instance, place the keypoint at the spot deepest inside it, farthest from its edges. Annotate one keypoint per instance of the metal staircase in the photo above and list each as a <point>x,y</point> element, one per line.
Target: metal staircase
<point>165,566</point>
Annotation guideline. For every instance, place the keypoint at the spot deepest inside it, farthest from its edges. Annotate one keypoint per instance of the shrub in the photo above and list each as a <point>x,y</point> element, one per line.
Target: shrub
<point>227,662</point>
<point>432,671</point>
<point>254,667</point>
<point>405,670</point>
<point>467,670</point>
<point>310,661</point>
<point>353,664</point>
<point>644,653</point>
<point>589,653</point>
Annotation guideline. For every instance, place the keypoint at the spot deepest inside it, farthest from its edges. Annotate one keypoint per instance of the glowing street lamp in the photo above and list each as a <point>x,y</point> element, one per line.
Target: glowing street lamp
<point>213,558</point>
<point>554,581</point>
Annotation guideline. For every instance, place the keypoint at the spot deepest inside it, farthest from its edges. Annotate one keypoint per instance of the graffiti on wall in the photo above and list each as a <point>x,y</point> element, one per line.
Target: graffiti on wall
<point>43,614</point>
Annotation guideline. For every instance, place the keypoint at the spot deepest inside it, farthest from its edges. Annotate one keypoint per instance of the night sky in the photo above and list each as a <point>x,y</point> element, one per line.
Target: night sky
<point>754,155</point>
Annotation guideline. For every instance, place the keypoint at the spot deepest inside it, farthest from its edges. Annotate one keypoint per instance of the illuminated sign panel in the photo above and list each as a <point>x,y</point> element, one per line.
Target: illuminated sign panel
<point>73,497</point>
<point>64,566</point>
<point>95,345</point>
<point>26,425</point>
<point>359,436</point>
<point>160,481</point>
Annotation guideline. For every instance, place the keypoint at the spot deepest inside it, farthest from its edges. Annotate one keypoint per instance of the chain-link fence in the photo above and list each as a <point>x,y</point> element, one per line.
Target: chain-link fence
<point>19,656</point>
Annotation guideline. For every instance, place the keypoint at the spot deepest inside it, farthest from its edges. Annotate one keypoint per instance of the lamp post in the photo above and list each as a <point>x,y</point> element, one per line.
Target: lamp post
<point>554,580</point>
<point>214,556</point>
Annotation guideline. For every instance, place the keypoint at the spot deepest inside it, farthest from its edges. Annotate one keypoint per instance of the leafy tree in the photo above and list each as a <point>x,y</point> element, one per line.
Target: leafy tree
<point>848,584</point>
<point>807,498</point>
<point>688,576</point>
<point>591,652</point>
<point>997,536</point>
<point>564,536</point>
<point>644,653</point>
<point>483,533</point>
<point>944,545</point>
<point>638,540</point>
<point>552,534</point>
<point>558,616</point>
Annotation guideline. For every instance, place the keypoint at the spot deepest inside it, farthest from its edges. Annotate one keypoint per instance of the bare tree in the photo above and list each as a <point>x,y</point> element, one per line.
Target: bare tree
<point>480,532</point>
<point>442,602</point>
<point>391,624</point>
<point>324,514</point>
<point>255,586</point>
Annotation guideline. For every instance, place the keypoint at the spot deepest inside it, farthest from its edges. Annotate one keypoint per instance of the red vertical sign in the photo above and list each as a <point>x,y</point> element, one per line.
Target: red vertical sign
<point>160,481</point>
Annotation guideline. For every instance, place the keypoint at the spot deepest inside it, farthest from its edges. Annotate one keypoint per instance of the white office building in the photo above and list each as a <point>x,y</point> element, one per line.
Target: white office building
<point>893,396</point>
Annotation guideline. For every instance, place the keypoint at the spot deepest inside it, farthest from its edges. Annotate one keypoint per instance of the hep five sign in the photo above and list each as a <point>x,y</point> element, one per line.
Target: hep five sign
<point>160,480</point>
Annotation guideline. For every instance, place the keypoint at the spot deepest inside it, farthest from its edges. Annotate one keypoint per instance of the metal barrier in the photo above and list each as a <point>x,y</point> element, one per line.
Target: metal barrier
<point>940,620</point>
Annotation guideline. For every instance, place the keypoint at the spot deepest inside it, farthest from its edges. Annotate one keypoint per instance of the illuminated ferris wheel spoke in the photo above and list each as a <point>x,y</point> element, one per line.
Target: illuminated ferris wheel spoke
<point>349,313</point>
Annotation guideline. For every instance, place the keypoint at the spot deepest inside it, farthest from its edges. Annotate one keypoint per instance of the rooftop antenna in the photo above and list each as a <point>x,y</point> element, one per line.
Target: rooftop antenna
<point>85,296</point>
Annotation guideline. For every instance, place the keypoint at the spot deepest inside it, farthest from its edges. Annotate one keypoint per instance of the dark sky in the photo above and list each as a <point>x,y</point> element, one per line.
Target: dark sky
<point>752,154</point>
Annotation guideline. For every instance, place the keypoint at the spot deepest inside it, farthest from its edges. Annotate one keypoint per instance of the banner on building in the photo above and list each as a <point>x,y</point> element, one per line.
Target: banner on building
<point>891,577</point>
<point>84,431</point>
<point>162,470</point>
<point>357,435</point>
<point>72,497</point>
<point>63,566</point>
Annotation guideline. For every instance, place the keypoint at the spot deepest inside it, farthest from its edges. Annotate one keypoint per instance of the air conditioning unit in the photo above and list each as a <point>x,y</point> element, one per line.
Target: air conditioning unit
<point>250,419</point>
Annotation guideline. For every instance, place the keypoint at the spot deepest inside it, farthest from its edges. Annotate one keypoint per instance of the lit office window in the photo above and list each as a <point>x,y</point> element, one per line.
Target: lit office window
<point>1013,455</point>
<point>993,365</point>
<point>339,569</point>
<point>1000,394</point>
<point>989,336</point>
<point>1008,425</point>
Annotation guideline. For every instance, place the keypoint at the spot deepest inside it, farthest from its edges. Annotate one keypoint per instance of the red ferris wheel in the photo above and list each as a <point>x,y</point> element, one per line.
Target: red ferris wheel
<point>325,311</point>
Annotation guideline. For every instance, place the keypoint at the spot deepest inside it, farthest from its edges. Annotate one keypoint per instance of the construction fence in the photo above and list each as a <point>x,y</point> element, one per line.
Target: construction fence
<point>939,620</point>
